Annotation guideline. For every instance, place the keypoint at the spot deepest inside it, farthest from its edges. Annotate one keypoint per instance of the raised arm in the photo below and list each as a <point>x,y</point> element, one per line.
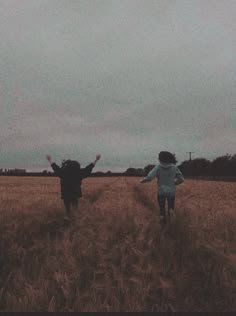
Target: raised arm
<point>54,166</point>
<point>151,175</point>
<point>49,158</point>
<point>96,159</point>
<point>88,169</point>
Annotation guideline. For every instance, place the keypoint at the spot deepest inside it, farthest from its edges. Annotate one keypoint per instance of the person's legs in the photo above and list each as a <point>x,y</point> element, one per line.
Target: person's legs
<point>161,202</point>
<point>171,206</point>
<point>67,204</point>
<point>171,202</point>
<point>75,203</point>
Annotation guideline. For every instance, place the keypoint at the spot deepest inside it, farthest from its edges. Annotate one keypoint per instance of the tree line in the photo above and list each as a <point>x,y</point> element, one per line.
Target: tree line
<point>223,166</point>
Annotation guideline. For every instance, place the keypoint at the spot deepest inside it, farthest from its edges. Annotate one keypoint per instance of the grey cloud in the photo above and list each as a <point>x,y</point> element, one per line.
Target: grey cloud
<point>127,78</point>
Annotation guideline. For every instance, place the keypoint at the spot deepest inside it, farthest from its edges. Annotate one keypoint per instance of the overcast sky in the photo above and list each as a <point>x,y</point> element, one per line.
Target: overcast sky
<point>124,78</point>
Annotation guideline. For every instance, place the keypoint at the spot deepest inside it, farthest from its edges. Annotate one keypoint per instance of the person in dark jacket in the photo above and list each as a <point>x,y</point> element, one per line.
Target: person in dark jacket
<point>71,176</point>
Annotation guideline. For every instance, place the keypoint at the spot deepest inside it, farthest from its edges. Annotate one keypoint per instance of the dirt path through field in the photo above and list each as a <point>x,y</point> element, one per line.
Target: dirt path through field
<point>127,243</point>
<point>120,195</point>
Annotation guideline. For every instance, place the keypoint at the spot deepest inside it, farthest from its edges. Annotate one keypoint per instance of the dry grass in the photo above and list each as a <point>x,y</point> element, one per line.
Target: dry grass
<point>114,256</point>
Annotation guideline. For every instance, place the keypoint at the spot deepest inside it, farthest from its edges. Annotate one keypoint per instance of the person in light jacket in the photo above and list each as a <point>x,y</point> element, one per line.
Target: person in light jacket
<point>71,176</point>
<point>168,176</point>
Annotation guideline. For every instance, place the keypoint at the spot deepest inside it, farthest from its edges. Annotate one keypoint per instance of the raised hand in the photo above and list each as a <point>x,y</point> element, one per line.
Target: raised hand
<point>98,157</point>
<point>49,158</point>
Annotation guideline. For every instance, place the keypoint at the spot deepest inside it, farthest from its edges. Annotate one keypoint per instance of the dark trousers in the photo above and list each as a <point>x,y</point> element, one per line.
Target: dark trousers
<point>162,202</point>
<point>70,203</point>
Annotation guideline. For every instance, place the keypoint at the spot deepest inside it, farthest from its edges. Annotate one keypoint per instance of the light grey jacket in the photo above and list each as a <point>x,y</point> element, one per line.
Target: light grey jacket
<point>168,176</point>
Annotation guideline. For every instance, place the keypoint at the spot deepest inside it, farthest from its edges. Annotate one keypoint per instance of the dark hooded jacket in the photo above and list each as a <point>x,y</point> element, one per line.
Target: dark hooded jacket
<point>71,179</point>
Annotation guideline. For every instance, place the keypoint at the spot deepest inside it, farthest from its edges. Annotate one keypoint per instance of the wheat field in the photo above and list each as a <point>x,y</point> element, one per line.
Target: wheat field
<point>113,256</point>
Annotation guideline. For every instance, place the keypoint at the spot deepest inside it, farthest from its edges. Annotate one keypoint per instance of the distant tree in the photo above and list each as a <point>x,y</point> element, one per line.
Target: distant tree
<point>233,165</point>
<point>185,167</point>
<point>196,167</point>
<point>224,165</point>
<point>148,168</point>
<point>220,166</point>
<point>140,172</point>
<point>99,173</point>
<point>130,172</point>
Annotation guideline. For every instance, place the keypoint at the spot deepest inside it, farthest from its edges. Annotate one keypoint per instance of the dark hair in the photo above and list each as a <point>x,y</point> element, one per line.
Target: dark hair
<point>167,157</point>
<point>70,166</point>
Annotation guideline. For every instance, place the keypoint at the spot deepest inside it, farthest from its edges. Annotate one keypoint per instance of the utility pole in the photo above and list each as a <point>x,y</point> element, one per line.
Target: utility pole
<point>190,154</point>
